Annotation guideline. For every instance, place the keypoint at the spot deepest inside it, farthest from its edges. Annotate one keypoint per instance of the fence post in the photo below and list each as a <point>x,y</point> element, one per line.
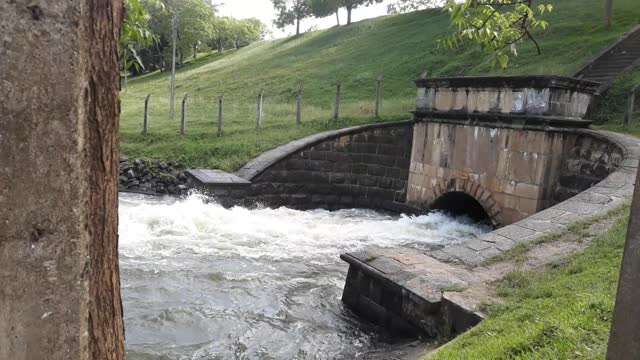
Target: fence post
<point>259,114</point>
<point>336,114</point>
<point>145,127</point>
<point>220,106</point>
<point>628,115</point>
<point>378,95</point>
<point>299,109</point>
<point>184,114</point>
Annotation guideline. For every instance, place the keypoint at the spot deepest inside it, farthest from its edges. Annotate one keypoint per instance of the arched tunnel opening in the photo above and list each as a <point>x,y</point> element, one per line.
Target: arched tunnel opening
<point>458,204</point>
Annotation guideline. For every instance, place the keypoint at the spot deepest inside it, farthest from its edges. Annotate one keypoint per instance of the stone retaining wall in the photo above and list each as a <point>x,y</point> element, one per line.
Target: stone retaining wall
<point>407,290</point>
<point>365,167</point>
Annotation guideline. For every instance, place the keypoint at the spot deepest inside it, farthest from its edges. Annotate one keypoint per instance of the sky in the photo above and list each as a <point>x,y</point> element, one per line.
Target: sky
<point>263,10</point>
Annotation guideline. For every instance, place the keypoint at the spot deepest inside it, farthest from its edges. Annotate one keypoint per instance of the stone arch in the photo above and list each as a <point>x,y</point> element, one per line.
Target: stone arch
<point>473,190</point>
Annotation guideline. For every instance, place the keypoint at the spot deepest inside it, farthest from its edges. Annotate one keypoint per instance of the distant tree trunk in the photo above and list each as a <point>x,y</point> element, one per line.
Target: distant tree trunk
<point>349,9</point>
<point>220,46</point>
<point>195,51</point>
<point>236,43</point>
<point>297,26</point>
<point>608,14</point>
<point>338,17</point>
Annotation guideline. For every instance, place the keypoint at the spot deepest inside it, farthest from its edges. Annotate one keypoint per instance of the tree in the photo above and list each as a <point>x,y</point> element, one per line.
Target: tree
<point>291,12</point>
<point>134,34</point>
<point>496,25</point>
<point>324,8</point>
<point>222,33</point>
<point>352,4</point>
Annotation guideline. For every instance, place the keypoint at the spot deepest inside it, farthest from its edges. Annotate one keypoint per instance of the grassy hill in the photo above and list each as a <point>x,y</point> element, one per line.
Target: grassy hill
<point>396,47</point>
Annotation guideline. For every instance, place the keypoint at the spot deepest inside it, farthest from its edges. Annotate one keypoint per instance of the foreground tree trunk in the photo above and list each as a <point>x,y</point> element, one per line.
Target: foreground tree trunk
<point>60,293</point>
<point>338,17</point>
<point>349,10</point>
<point>297,26</point>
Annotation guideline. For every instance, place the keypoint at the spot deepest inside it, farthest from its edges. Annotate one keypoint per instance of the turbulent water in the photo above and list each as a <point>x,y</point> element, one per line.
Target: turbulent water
<point>203,282</point>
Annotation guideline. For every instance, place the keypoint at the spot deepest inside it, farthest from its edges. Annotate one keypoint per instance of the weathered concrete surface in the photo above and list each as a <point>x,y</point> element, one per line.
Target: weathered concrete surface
<point>60,290</point>
<point>512,95</point>
<point>512,173</point>
<point>624,341</point>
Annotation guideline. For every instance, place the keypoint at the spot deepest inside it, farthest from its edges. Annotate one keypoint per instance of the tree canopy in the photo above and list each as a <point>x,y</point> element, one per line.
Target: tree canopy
<point>498,26</point>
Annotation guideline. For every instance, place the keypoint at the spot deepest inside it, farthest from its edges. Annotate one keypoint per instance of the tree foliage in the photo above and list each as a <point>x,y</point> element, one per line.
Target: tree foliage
<point>405,6</point>
<point>135,34</point>
<point>498,26</point>
<point>289,12</point>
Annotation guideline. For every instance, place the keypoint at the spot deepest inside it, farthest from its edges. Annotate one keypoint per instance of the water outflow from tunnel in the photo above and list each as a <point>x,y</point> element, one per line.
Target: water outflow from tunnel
<point>203,282</point>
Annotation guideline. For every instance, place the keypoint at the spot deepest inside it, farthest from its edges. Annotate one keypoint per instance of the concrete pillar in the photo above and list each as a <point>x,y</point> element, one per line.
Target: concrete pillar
<point>59,150</point>
<point>624,341</point>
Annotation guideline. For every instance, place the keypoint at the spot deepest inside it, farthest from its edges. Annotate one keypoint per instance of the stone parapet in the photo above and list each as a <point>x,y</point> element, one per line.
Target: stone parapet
<point>513,95</point>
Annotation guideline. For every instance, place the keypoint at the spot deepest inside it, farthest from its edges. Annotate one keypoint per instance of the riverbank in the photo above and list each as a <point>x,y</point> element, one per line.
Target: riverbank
<point>152,177</point>
<point>557,309</point>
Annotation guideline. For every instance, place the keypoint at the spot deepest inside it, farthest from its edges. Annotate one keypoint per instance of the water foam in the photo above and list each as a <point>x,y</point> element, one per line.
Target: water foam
<point>202,280</point>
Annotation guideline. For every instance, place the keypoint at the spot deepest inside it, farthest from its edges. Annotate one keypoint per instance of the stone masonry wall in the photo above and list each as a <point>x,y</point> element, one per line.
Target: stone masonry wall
<point>588,158</point>
<point>512,173</point>
<point>366,168</point>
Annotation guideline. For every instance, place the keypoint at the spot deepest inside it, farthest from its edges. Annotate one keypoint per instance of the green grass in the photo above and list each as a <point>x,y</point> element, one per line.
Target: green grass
<point>398,47</point>
<point>561,313</point>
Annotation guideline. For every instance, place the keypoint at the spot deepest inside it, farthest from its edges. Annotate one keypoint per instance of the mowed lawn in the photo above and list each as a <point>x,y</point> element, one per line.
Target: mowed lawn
<point>399,48</point>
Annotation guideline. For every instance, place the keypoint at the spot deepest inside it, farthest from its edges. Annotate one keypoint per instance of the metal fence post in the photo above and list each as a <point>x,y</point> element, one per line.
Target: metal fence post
<point>220,107</point>
<point>145,126</point>
<point>259,112</point>
<point>628,115</point>
<point>184,114</point>
<point>336,114</point>
<point>378,95</point>
<point>299,109</point>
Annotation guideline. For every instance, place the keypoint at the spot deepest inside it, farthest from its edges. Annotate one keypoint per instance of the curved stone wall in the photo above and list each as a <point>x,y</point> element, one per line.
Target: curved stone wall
<point>512,172</point>
<point>365,166</point>
<point>587,157</point>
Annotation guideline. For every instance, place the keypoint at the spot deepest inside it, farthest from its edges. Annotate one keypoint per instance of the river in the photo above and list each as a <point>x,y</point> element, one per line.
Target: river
<point>203,282</point>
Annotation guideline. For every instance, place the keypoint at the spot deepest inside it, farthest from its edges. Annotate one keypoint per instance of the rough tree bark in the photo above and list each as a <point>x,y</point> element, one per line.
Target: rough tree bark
<point>59,151</point>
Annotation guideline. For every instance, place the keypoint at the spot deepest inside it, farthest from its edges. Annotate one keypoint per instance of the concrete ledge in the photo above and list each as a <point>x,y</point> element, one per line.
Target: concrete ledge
<point>405,291</point>
<point>500,120</point>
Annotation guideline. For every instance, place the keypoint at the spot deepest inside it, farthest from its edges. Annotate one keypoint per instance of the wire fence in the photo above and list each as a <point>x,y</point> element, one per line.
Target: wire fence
<point>150,114</point>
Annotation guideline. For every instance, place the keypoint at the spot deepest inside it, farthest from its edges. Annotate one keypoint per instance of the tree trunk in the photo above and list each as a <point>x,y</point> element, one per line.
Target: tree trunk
<point>174,40</point>
<point>59,232</point>
<point>349,9</point>
<point>608,14</point>
<point>338,17</point>
<point>297,26</point>
<point>237,45</point>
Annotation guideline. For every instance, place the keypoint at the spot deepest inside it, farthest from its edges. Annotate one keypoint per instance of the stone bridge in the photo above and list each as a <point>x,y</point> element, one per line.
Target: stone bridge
<point>515,152</point>
<point>497,149</point>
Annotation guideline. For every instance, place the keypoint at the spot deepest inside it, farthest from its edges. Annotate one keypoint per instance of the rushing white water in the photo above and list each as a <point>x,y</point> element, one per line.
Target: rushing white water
<point>203,282</point>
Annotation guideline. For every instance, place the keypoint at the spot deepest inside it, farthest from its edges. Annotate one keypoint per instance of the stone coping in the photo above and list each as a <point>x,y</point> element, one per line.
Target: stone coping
<point>613,191</point>
<point>217,178</point>
<point>269,158</point>
<point>526,122</point>
<point>512,82</point>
